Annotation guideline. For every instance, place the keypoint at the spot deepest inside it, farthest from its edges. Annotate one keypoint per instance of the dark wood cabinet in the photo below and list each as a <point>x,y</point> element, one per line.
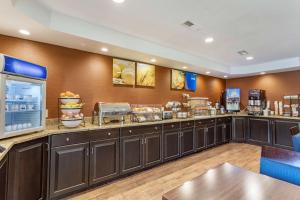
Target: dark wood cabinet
<point>227,132</point>
<point>210,136</point>
<point>152,149</point>
<point>223,133</point>
<point>3,178</point>
<point>171,145</point>
<point>131,153</point>
<point>259,131</point>
<point>187,141</point>
<point>200,138</point>
<point>69,169</point>
<point>219,133</point>
<point>239,129</point>
<point>27,173</point>
<point>142,149</point>
<point>104,160</point>
<point>281,133</point>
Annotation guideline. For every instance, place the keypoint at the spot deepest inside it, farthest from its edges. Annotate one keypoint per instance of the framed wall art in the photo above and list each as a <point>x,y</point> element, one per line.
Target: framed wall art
<point>123,72</point>
<point>145,75</point>
<point>177,79</point>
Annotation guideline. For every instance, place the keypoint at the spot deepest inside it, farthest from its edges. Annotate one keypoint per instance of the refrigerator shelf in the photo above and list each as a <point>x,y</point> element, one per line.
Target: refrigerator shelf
<point>22,111</point>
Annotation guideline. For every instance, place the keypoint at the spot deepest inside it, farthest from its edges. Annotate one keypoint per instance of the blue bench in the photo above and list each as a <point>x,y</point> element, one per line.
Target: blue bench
<point>280,164</point>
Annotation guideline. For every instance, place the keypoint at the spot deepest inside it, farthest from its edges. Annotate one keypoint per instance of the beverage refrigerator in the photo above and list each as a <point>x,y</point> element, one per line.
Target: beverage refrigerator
<point>22,97</point>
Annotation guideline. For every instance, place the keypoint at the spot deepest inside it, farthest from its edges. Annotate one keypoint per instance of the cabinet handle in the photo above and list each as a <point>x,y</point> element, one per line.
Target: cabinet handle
<point>109,134</point>
<point>142,141</point>
<point>155,128</point>
<point>87,152</point>
<point>145,141</point>
<point>172,125</point>
<point>130,131</point>
<point>67,139</point>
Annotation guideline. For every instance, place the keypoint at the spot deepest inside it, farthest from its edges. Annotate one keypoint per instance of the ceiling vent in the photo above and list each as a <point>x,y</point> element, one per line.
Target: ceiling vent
<point>242,52</point>
<point>188,24</point>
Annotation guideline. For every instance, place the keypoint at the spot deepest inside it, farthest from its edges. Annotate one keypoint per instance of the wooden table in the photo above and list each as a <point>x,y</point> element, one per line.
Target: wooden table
<point>228,182</point>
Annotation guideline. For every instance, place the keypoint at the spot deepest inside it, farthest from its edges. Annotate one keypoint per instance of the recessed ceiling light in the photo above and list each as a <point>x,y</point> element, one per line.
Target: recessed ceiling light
<point>207,72</point>
<point>225,76</point>
<point>249,58</point>
<point>209,40</point>
<point>262,73</point>
<point>242,52</point>
<point>184,67</point>
<point>118,1</point>
<point>153,60</point>
<point>104,49</point>
<point>24,32</point>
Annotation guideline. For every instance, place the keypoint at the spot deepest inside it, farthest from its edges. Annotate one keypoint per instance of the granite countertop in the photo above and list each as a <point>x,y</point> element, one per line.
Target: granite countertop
<point>9,142</point>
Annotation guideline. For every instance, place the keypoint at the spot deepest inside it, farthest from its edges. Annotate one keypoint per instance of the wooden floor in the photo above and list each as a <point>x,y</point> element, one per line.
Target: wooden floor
<point>153,183</point>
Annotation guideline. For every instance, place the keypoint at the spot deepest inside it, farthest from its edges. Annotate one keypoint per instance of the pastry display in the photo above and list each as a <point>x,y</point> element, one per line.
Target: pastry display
<point>69,94</point>
<point>146,113</point>
<point>70,106</point>
<point>71,116</point>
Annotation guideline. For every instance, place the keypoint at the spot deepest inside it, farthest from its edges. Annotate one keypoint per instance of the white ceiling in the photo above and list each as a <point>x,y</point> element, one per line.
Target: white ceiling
<point>142,29</point>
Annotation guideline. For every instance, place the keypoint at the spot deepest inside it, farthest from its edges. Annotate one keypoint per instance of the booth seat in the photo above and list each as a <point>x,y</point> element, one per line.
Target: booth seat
<point>280,164</point>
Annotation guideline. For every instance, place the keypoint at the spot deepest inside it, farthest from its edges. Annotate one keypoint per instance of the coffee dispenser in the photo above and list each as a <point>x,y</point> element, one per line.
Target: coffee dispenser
<point>256,101</point>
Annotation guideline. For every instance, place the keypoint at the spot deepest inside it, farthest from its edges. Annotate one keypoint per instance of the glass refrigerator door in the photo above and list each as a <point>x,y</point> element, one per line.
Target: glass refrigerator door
<point>23,106</point>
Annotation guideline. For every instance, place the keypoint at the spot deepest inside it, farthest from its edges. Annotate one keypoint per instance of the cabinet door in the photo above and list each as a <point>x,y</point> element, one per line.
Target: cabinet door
<point>153,147</point>
<point>227,132</point>
<point>171,145</point>
<point>199,138</point>
<point>187,141</point>
<point>219,133</point>
<point>259,131</point>
<point>69,169</point>
<point>3,178</point>
<point>210,136</point>
<point>239,129</point>
<point>104,160</point>
<point>131,154</point>
<point>28,171</point>
<point>281,133</point>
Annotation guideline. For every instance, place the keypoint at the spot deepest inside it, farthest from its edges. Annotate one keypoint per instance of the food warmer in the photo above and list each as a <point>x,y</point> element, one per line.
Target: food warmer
<point>111,112</point>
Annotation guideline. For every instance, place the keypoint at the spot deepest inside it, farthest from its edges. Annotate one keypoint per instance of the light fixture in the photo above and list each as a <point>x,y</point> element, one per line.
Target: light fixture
<point>249,58</point>
<point>118,1</point>
<point>207,72</point>
<point>104,49</point>
<point>262,73</point>
<point>184,67</point>
<point>242,52</point>
<point>153,60</point>
<point>24,32</point>
<point>225,76</point>
<point>209,40</point>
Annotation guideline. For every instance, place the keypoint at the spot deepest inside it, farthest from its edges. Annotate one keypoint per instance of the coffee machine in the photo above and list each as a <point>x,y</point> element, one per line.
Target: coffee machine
<point>256,101</point>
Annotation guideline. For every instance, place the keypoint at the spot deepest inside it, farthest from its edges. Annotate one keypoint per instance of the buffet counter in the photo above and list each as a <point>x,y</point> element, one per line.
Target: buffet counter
<point>8,143</point>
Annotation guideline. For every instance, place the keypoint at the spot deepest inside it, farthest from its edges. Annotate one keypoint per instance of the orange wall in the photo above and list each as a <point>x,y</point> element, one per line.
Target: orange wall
<point>90,75</point>
<point>276,85</point>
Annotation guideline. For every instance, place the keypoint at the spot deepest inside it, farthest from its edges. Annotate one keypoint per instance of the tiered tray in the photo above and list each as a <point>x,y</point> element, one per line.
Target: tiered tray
<point>69,112</point>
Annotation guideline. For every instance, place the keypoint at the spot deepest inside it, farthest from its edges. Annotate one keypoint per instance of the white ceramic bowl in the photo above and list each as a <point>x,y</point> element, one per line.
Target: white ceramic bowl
<point>69,100</point>
<point>71,123</point>
<point>74,111</point>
